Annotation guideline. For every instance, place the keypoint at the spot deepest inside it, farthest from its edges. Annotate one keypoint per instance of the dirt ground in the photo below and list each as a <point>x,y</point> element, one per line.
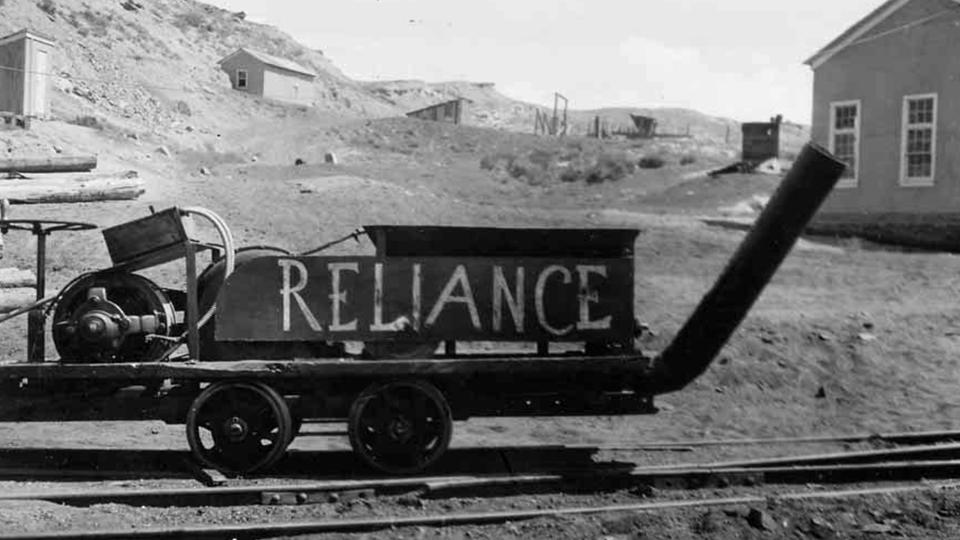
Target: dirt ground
<point>849,338</point>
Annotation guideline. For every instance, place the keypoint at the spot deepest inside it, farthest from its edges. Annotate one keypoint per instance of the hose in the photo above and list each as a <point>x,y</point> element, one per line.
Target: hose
<point>229,250</point>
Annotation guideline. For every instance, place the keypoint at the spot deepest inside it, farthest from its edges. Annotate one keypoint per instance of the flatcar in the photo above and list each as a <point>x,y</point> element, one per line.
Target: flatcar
<point>262,339</point>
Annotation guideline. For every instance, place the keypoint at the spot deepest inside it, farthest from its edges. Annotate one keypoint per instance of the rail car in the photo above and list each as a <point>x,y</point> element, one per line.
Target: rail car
<point>386,343</point>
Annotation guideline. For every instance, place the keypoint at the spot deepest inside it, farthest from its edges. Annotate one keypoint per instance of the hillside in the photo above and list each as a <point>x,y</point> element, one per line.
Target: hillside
<point>148,71</point>
<point>154,67</point>
<point>487,107</point>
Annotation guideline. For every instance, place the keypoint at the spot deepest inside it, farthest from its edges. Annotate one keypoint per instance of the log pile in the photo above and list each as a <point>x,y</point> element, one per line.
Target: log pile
<point>16,289</point>
<point>52,186</point>
<point>62,179</point>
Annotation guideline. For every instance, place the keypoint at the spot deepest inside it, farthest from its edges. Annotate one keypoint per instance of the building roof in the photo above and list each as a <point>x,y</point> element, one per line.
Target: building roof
<point>271,60</point>
<point>436,105</point>
<point>856,31</point>
<point>26,32</point>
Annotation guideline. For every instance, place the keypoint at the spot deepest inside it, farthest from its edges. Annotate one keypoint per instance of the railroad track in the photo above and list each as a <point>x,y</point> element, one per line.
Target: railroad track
<point>260,530</point>
<point>691,477</point>
<point>89,464</point>
<point>926,462</point>
<point>918,463</point>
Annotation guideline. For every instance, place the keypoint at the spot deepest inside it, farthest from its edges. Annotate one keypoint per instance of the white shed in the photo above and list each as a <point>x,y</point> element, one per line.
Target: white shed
<point>26,60</point>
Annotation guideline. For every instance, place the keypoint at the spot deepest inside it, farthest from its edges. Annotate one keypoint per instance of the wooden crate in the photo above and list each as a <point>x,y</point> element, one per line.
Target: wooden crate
<point>155,239</point>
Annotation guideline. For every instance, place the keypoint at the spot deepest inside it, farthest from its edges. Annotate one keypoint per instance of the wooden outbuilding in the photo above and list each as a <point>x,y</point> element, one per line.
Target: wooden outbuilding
<point>26,57</point>
<point>450,112</point>
<point>269,76</point>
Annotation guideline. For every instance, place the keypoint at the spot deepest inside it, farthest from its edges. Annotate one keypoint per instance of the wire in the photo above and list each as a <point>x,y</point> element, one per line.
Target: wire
<point>903,27</point>
<point>354,235</point>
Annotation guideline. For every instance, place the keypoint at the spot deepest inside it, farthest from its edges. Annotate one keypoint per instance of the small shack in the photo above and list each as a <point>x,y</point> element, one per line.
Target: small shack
<point>761,140</point>
<point>269,76</point>
<point>24,83</point>
<point>450,112</point>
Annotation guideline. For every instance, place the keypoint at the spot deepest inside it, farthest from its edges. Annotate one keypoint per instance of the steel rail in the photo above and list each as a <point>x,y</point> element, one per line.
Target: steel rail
<point>260,530</point>
<point>696,478</point>
<point>951,450</point>
<point>222,496</point>
<point>907,438</point>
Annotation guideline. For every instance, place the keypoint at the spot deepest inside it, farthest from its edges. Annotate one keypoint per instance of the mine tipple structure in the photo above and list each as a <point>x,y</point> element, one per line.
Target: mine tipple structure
<point>646,126</point>
<point>454,322</point>
<point>761,140</point>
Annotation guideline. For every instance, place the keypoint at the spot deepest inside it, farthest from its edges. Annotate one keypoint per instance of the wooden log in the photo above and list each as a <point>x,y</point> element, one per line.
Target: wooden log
<point>52,164</point>
<point>11,299</point>
<point>14,277</point>
<point>73,189</point>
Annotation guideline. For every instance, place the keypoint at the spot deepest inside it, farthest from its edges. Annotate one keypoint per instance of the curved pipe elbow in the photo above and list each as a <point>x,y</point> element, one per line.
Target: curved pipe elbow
<point>724,307</point>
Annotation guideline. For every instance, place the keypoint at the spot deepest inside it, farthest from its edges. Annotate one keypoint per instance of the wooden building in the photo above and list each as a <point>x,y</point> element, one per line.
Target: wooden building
<point>886,100</point>
<point>450,112</point>
<point>25,80</point>
<point>269,76</point>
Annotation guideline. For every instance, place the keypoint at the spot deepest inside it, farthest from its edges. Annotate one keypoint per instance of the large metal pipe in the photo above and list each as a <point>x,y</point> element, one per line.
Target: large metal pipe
<point>724,307</point>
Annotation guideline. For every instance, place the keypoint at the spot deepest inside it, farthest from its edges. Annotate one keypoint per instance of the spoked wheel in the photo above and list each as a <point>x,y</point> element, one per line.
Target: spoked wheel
<point>400,427</point>
<point>239,428</point>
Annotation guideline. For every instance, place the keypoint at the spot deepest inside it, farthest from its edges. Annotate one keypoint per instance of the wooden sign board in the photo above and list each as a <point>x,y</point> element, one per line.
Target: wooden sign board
<point>419,298</point>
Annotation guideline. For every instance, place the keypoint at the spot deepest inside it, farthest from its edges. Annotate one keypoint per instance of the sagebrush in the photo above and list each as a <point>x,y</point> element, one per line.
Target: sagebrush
<point>48,7</point>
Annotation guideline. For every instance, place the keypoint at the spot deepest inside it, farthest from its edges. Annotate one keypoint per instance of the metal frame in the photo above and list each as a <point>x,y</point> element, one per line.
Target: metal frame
<point>41,229</point>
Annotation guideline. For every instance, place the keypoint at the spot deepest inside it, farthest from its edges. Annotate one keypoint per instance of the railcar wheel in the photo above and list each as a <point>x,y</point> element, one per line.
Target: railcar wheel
<point>400,427</point>
<point>239,428</point>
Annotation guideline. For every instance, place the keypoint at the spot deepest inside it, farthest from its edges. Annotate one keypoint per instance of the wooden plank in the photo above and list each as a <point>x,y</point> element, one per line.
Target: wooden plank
<point>73,189</point>
<point>148,235</point>
<point>637,364</point>
<point>206,476</point>
<point>50,164</point>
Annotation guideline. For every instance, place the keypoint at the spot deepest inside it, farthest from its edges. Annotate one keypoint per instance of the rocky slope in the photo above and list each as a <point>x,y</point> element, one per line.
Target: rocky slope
<point>142,68</point>
<point>153,65</point>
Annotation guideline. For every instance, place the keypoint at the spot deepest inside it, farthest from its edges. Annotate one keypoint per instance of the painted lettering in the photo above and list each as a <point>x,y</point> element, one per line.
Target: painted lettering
<point>589,296</point>
<point>459,278</point>
<point>538,298</point>
<point>417,295</point>
<point>287,291</point>
<point>378,325</point>
<point>338,296</point>
<point>501,292</point>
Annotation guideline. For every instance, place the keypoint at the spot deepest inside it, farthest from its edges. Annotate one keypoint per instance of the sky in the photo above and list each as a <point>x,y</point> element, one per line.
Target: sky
<point>741,59</point>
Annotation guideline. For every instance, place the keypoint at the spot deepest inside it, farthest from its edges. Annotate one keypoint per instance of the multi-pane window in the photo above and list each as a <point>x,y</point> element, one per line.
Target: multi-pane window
<point>845,138</point>
<point>919,140</point>
<point>241,78</point>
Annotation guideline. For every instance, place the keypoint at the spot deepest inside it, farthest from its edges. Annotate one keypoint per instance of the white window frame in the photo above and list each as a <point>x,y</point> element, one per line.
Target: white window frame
<point>246,78</point>
<point>846,183</point>
<point>926,181</point>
